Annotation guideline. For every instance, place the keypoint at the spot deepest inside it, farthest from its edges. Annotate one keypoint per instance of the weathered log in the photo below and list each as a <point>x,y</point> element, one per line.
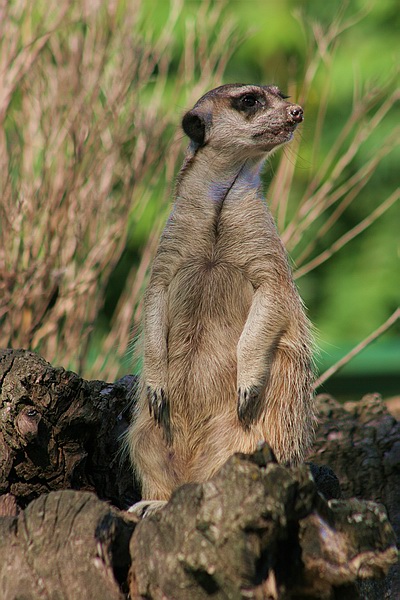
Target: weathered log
<point>256,530</point>
<point>58,431</point>
<point>259,530</point>
<point>67,546</point>
<point>360,441</point>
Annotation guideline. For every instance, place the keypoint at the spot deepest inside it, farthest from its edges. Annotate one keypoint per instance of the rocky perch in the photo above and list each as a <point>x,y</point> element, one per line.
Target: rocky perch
<point>256,530</point>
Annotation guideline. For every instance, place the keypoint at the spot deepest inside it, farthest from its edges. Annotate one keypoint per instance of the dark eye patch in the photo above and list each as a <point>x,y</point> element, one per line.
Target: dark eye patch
<point>247,102</point>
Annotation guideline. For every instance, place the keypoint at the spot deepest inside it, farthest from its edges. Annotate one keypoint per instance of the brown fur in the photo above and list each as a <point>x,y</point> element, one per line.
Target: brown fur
<point>227,349</point>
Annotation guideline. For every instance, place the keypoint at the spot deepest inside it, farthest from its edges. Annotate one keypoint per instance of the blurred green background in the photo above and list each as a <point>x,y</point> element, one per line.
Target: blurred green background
<point>191,46</point>
<point>358,288</point>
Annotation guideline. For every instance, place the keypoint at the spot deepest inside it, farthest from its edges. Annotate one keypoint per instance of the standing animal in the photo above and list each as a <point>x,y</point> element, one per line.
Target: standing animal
<point>227,348</point>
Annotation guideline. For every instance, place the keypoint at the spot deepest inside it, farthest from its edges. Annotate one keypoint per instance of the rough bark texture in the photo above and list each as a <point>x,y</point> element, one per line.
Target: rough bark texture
<point>257,530</point>
<point>65,545</point>
<point>59,431</point>
<point>360,441</point>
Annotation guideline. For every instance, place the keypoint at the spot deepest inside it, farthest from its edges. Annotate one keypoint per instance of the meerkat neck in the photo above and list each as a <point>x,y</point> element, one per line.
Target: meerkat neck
<point>208,176</point>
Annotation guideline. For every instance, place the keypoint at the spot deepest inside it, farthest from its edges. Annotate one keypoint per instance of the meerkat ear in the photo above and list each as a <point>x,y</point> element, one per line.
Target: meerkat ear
<point>194,125</point>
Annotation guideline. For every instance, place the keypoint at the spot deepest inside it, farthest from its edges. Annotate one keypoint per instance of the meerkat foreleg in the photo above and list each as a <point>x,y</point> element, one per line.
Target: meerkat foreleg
<point>255,350</point>
<point>156,359</point>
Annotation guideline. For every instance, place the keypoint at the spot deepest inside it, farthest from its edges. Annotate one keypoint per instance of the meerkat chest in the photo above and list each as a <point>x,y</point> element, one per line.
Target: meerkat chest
<point>208,298</point>
<point>245,232</point>
<point>214,238</point>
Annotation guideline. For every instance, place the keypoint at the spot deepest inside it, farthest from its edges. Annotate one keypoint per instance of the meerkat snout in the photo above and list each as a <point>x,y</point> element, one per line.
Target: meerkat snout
<point>295,113</point>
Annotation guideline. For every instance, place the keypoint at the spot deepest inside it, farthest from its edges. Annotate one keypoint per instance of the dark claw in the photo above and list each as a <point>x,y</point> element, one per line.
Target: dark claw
<point>249,405</point>
<point>159,408</point>
<point>157,403</point>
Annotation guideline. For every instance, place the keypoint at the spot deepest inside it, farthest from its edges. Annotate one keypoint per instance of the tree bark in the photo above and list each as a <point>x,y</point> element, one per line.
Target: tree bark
<point>360,441</point>
<point>58,431</point>
<point>257,530</point>
<point>65,545</point>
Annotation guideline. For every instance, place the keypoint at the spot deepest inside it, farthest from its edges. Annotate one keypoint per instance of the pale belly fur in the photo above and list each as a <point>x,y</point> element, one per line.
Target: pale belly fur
<point>208,307</point>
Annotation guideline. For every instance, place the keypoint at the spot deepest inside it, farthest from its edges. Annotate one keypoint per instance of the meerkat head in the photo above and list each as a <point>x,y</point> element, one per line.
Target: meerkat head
<point>251,120</point>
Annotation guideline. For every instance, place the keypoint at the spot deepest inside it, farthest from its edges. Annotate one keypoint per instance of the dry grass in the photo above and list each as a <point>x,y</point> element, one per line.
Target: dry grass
<point>88,127</point>
<point>85,133</point>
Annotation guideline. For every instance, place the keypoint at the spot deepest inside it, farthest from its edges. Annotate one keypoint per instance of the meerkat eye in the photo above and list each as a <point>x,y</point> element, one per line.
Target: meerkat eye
<point>247,103</point>
<point>249,100</point>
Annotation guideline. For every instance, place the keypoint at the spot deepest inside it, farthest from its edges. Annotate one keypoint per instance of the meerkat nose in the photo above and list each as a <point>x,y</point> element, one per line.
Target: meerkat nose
<point>296,113</point>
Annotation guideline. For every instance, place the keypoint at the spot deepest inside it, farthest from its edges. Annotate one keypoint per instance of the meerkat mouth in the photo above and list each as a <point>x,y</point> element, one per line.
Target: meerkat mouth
<point>287,131</point>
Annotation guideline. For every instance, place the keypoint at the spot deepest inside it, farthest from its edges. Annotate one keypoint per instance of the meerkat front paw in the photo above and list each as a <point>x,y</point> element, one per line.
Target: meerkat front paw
<point>157,403</point>
<point>249,404</point>
<point>159,409</point>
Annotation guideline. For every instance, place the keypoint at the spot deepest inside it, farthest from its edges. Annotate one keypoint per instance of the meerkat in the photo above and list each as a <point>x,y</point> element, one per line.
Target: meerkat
<point>227,346</point>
